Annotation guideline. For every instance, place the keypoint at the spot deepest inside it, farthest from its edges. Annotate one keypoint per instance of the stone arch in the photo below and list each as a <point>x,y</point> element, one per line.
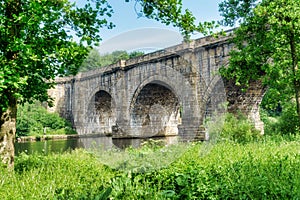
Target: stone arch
<point>157,104</point>
<point>101,113</point>
<point>155,111</point>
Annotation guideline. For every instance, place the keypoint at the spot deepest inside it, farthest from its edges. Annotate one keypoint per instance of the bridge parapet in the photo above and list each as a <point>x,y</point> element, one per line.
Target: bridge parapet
<point>63,80</point>
<point>209,40</point>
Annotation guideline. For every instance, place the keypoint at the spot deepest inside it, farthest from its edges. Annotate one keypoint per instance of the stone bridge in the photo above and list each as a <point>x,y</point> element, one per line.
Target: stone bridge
<point>168,92</point>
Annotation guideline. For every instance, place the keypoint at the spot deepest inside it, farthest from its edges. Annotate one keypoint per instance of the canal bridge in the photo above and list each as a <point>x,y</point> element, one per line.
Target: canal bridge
<point>168,92</point>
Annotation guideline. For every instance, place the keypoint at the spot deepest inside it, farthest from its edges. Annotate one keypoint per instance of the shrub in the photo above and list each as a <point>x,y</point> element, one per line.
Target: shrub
<point>262,170</point>
<point>270,122</point>
<point>288,122</point>
<point>285,123</point>
<point>233,128</point>
<point>33,118</point>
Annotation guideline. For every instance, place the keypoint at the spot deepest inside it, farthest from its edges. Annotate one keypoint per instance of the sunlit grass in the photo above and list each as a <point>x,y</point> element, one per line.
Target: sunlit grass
<point>267,169</point>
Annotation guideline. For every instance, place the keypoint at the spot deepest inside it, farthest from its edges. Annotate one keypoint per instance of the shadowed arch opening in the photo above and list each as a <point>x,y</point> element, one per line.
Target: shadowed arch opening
<point>155,111</point>
<point>101,115</point>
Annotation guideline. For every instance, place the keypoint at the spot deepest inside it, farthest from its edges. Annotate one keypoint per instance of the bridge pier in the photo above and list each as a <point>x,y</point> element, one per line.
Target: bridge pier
<point>191,133</point>
<point>247,102</point>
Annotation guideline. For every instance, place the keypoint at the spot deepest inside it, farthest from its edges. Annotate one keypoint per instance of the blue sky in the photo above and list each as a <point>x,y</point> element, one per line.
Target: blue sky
<point>133,33</point>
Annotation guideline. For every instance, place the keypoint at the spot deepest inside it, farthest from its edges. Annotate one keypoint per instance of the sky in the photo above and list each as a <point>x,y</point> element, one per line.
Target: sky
<point>133,33</point>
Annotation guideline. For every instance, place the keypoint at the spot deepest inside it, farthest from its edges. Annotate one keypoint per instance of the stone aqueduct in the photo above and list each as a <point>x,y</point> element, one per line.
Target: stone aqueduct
<point>168,92</point>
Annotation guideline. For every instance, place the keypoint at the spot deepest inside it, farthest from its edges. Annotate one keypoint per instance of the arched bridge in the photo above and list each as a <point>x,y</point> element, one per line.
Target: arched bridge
<point>168,92</point>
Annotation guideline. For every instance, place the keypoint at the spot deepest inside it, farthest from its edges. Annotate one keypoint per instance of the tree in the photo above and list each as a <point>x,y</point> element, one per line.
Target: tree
<point>171,12</point>
<point>95,60</point>
<point>38,43</point>
<point>92,61</point>
<point>267,44</point>
<point>34,119</point>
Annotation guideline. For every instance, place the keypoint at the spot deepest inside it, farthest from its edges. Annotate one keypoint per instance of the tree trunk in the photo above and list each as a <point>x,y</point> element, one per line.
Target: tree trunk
<point>7,135</point>
<point>295,69</point>
<point>297,94</point>
<point>8,117</point>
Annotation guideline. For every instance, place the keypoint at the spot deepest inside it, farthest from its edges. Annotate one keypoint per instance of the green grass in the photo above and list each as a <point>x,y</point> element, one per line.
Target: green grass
<point>268,169</point>
<point>76,175</point>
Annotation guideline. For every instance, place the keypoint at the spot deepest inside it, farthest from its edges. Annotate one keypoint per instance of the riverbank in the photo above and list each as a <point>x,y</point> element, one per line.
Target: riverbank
<point>46,137</point>
<point>76,136</point>
<point>266,169</point>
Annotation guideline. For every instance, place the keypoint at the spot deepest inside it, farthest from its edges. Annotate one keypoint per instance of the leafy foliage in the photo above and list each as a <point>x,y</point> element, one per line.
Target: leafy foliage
<point>37,44</point>
<point>268,170</point>
<point>282,123</point>
<point>236,11</point>
<point>232,128</point>
<point>94,60</point>
<point>34,119</point>
<point>70,176</point>
<point>171,12</point>
<point>267,45</point>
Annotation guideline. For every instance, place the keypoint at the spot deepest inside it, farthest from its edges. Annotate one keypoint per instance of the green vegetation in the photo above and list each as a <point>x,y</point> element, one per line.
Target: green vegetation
<point>229,168</point>
<point>35,120</point>
<point>284,122</point>
<point>171,12</point>
<point>266,46</point>
<point>70,176</point>
<point>233,128</point>
<point>37,45</point>
<point>268,169</point>
<point>94,60</point>
<point>278,112</point>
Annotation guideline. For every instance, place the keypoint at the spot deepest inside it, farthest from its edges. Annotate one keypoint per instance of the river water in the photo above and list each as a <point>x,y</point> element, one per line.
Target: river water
<point>90,143</point>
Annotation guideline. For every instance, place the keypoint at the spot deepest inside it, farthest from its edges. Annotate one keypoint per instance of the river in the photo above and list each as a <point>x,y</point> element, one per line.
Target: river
<point>89,143</point>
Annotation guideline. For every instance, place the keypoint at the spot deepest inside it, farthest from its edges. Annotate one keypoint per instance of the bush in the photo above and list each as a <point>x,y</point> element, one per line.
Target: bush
<point>33,118</point>
<point>288,122</point>
<point>232,128</point>
<point>285,123</point>
<point>230,171</point>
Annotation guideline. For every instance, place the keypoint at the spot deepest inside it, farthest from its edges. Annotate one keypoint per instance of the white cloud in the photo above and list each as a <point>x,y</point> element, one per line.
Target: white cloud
<point>143,39</point>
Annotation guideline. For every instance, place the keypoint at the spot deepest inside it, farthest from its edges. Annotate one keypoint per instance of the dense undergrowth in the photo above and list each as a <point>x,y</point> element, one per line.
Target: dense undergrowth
<point>265,169</point>
<point>35,120</point>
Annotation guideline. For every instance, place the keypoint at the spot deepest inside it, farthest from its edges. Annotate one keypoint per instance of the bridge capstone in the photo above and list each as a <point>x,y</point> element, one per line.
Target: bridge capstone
<point>168,92</point>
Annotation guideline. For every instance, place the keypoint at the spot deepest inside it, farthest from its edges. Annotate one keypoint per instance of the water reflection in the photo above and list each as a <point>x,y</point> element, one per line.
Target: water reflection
<point>89,143</point>
<point>99,143</point>
<point>45,147</point>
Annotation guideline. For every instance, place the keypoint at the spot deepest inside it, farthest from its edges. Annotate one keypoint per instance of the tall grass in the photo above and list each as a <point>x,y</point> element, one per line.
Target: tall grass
<point>76,175</point>
<point>268,169</point>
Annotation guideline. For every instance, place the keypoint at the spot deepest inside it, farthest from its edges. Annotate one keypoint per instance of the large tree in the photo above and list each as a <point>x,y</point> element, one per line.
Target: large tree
<point>36,45</point>
<point>43,39</point>
<point>267,44</point>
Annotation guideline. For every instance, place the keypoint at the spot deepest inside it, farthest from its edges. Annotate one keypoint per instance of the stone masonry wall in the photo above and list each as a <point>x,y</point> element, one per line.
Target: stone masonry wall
<point>162,93</point>
<point>247,101</point>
